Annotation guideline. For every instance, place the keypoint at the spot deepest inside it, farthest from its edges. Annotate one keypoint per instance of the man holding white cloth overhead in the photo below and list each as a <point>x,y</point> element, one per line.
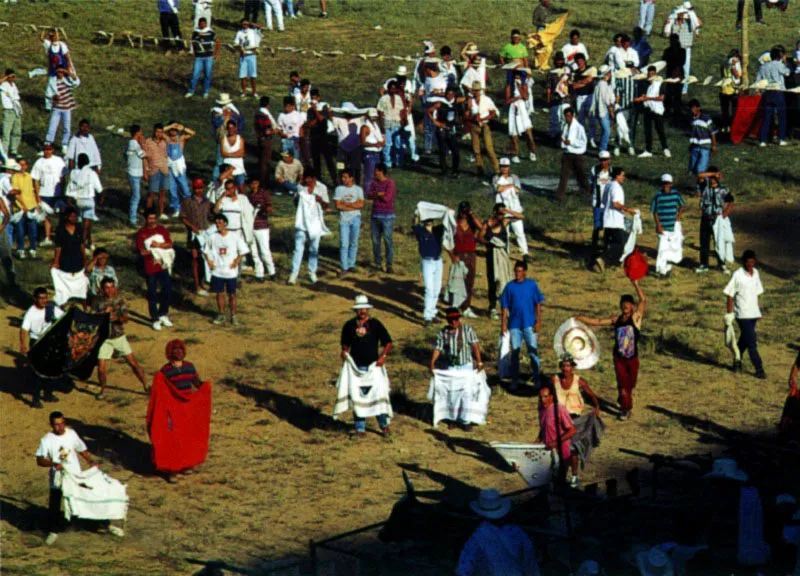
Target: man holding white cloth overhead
<point>459,393</point>
<point>363,383</point>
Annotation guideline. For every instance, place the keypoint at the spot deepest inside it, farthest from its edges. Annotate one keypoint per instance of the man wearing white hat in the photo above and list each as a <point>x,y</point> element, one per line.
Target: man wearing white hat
<point>480,111</point>
<point>573,144</point>
<point>372,143</point>
<point>496,548</point>
<point>361,339</point>
<point>667,207</point>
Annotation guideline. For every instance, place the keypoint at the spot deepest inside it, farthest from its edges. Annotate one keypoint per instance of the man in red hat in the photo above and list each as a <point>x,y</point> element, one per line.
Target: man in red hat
<point>196,216</point>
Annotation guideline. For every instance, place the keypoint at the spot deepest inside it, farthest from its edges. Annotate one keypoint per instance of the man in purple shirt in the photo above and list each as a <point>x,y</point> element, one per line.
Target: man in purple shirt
<point>382,191</point>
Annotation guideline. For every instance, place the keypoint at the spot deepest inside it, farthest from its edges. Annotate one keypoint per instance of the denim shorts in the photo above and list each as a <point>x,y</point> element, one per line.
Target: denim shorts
<point>158,182</point>
<point>247,66</point>
<point>220,285</point>
<point>86,210</point>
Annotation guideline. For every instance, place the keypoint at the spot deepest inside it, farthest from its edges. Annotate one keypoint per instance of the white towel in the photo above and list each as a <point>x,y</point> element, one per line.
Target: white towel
<point>456,291</point>
<point>459,396</point>
<point>431,211</point>
<point>367,393</point>
<point>723,239</point>
<point>504,355</point>
<point>670,249</point>
<point>164,256</point>
<point>177,167</point>
<point>248,218</point>
<point>310,216</point>
<point>729,335</point>
<point>623,131</point>
<point>634,228</point>
<point>69,285</point>
<point>94,495</point>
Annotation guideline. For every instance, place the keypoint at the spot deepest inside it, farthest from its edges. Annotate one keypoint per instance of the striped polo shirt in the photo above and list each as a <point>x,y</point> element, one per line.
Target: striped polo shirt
<point>65,100</point>
<point>181,377</point>
<point>702,130</point>
<point>456,345</point>
<point>667,206</point>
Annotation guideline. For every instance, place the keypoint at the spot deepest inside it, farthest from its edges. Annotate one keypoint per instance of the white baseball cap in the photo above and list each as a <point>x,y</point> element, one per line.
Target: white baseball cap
<point>505,162</point>
<point>604,155</point>
<point>666,178</point>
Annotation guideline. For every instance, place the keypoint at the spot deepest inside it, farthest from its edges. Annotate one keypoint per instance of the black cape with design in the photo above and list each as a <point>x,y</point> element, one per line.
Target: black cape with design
<point>70,345</point>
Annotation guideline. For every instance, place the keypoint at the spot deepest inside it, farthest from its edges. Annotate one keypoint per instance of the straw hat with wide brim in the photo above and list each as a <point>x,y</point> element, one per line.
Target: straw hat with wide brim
<point>490,505</point>
<point>361,303</point>
<point>654,562</point>
<point>623,73</point>
<point>576,339</point>
<point>760,85</point>
<point>12,164</point>
<point>591,72</point>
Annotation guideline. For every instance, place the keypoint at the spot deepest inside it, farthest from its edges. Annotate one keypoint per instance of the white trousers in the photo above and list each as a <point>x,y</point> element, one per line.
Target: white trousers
<point>518,228</point>
<point>201,10</point>
<point>262,255</point>
<point>271,6</point>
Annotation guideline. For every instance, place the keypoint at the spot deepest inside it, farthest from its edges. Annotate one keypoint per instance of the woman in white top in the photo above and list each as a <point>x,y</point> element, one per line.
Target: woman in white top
<point>84,185</point>
<point>372,143</point>
<point>519,119</point>
<point>232,148</point>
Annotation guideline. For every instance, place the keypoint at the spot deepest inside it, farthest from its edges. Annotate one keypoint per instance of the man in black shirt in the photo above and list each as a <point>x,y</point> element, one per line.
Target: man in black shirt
<point>205,47</point>
<point>445,114</point>
<point>361,338</point>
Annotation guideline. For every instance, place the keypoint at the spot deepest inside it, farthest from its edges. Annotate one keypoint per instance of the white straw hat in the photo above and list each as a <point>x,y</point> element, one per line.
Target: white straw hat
<point>361,302</point>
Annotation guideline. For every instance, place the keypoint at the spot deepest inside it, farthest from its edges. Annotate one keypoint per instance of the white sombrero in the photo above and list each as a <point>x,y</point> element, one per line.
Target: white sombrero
<point>576,339</point>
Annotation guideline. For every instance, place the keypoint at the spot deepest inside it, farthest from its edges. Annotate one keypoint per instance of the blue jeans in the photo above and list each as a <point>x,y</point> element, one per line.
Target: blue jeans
<point>348,242</point>
<point>687,69</point>
<point>409,141</point>
<point>429,133</point>
<point>531,340</point>
<point>30,226</point>
<point>56,117</point>
<point>382,227</point>
<point>203,66</point>
<point>749,340</point>
<point>288,187</point>
<point>136,195</point>
<point>698,159</point>
<point>159,303</point>
<point>647,12</point>
<point>432,279</point>
<point>584,104</point>
<point>361,423</point>
<point>178,184</point>
<point>605,124</point>
<point>300,238</point>
<point>290,8</point>
<point>291,145</point>
<point>393,150</point>
<point>773,103</point>
<point>370,160</point>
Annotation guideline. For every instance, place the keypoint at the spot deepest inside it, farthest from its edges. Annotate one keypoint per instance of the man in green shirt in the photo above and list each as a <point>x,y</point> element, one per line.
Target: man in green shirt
<point>514,52</point>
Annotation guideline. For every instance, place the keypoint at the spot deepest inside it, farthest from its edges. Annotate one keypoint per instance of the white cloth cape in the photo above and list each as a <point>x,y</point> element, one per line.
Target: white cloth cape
<point>431,211</point>
<point>248,218</point>
<point>310,216</point>
<point>635,229</point>
<point>723,239</point>
<point>729,335</point>
<point>459,395</point>
<point>349,393</point>
<point>94,495</point>
<point>670,249</point>
<point>69,285</point>
<point>456,291</point>
<point>504,355</point>
<point>164,256</point>
<point>623,130</point>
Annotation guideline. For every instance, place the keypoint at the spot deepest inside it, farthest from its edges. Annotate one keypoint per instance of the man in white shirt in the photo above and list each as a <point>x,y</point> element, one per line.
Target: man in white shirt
<point>653,101</point>
<point>614,211</point>
<point>84,143</point>
<point>743,291</point>
<point>349,200</point>
<point>599,177</point>
<point>223,252</point>
<point>507,189</point>
<point>48,183</point>
<point>37,319</point>
<point>309,225</point>
<point>480,111</point>
<point>603,105</point>
<point>247,40</point>
<point>573,48</point>
<point>573,143</point>
<point>12,113</point>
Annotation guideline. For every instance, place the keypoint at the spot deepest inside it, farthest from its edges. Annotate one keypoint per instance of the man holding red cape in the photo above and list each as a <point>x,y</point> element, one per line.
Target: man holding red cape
<point>179,415</point>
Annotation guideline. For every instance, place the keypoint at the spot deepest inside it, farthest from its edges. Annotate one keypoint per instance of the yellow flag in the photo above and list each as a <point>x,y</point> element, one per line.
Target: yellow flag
<point>542,42</point>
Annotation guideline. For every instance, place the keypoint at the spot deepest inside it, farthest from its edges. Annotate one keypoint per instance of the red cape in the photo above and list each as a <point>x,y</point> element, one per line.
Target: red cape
<point>748,118</point>
<point>178,424</point>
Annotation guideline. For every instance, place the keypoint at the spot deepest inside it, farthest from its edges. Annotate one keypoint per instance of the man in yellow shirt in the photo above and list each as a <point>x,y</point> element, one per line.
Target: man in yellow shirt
<point>27,200</point>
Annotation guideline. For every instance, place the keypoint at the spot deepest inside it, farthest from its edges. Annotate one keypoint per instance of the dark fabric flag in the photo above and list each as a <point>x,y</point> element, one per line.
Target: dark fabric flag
<point>70,345</point>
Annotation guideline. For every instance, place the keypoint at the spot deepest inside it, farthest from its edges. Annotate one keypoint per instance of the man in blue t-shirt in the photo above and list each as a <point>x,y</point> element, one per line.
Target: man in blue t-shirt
<point>521,302</point>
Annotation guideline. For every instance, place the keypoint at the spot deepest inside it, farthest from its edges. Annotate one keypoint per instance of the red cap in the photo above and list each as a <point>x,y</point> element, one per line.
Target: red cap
<point>198,183</point>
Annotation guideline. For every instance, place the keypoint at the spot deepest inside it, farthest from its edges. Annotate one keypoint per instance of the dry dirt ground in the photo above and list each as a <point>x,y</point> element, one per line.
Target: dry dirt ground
<point>280,471</point>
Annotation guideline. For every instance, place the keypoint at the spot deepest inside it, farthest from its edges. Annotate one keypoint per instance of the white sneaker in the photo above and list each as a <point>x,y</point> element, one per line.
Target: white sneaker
<point>494,315</point>
<point>157,326</point>
<point>783,143</point>
<point>177,215</point>
<point>242,95</point>
<point>32,253</point>
<point>255,95</point>
<point>46,242</point>
<point>163,217</point>
<point>205,96</point>
<point>116,531</point>
<point>165,321</point>
<point>532,157</point>
<point>468,313</point>
<point>762,145</point>
<point>312,277</point>
<point>292,280</point>
<point>592,143</point>
<point>51,538</point>
<point>515,159</point>
<point>616,151</point>
<point>21,254</point>
<point>667,153</point>
<point>631,151</point>
<point>187,95</point>
<point>466,137</point>
<point>415,158</point>
<point>64,150</point>
<point>646,154</point>
<point>573,482</point>
<point>202,292</point>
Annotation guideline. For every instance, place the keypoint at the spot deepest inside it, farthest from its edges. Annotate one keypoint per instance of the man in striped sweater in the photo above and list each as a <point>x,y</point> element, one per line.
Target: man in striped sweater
<point>59,98</point>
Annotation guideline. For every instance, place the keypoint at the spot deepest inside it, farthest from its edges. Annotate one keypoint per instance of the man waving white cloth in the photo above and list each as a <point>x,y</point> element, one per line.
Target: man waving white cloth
<point>459,393</point>
<point>363,382</point>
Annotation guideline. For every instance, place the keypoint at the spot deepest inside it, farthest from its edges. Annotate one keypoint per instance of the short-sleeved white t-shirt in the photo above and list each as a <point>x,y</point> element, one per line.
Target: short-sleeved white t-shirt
<point>745,290</point>
<point>48,172</point>
<point>613,218</point>
<point>249,40</point>
<point>34,323</point>
<point>291,123</point>
<point>62,450</point>
<point>223,250</point>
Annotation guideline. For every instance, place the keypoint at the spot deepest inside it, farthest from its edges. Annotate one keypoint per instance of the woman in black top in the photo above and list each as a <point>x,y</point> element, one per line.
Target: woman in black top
<point>70,255</point>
